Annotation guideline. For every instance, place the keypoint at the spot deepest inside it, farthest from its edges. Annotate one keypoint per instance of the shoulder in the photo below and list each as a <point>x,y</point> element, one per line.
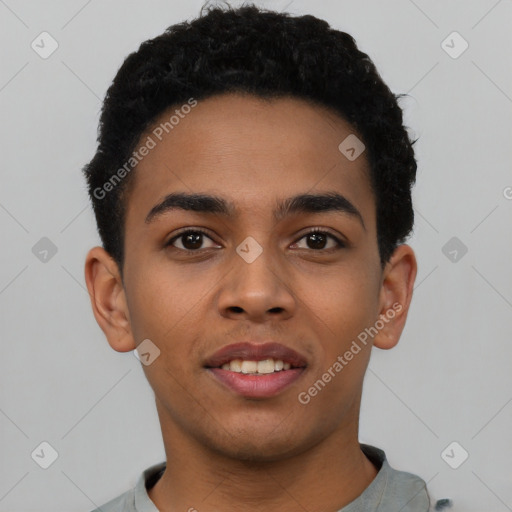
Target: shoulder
<point>400,490</point>
<point>136,499</point>
<point>407,491</point>
<point>123,503</point>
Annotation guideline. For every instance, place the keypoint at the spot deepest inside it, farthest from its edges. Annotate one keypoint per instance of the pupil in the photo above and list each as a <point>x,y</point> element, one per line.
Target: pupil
<point>194,239</point>
<point>318,240</point>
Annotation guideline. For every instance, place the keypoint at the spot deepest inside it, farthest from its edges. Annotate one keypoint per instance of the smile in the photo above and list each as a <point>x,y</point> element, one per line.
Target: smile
<point>256,370</point>
<point>256,367</point>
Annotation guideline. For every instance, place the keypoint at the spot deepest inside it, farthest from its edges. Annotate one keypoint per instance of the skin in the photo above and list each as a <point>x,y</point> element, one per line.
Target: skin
<point>225,452</point>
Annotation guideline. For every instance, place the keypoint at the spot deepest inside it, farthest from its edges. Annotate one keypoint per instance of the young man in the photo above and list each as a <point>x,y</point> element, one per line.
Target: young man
<point>252,189</point>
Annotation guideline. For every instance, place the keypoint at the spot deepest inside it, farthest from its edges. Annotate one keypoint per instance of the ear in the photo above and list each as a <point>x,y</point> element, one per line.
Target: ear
<point>108,299</point>
<point>395,296</point>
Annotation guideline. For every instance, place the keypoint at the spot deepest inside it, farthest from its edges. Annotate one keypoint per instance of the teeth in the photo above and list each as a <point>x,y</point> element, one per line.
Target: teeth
<point>256,367</point>
<point>266,366</point>
<point>235,365</point>
<point>249,366</point>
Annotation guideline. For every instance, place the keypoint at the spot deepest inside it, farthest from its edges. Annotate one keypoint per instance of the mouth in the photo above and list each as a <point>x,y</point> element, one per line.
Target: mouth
<point>256,370</point>
<point>263,367</point>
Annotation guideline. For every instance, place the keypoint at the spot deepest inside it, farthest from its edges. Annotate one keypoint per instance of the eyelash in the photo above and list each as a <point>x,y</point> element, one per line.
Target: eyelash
<point>339,243</point>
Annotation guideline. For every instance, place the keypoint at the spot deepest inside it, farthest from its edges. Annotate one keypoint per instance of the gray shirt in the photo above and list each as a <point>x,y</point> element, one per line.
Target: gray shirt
<point>389,491</point>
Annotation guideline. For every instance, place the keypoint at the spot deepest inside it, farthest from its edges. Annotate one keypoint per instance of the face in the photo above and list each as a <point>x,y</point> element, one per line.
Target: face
<point>241,273</point>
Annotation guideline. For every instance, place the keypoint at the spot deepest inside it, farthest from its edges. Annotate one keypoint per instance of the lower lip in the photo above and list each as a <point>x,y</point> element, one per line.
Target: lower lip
<point>257,386</point>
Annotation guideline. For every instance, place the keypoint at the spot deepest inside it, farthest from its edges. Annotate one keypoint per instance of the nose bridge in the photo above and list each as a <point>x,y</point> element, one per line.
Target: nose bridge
<point>257,282</point>
<point>257,263</point>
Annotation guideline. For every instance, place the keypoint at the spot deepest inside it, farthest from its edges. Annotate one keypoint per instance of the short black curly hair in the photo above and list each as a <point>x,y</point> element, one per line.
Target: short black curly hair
<point>267,54</point>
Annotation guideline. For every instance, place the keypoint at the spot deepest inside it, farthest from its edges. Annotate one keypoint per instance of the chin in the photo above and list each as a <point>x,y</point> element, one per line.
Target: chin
<point>251,452</point>
<point>251,446</point>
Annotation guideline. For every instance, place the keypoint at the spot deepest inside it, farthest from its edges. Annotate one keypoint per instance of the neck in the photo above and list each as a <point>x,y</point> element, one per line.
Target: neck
<point>326,477</point>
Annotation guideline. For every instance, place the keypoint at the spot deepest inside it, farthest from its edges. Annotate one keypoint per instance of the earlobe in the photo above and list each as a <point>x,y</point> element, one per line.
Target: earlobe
<point>395,297</point>
<point>108,299</point>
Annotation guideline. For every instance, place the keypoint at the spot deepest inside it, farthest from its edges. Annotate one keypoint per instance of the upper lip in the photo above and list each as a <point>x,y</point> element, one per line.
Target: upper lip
<point>250,351</point>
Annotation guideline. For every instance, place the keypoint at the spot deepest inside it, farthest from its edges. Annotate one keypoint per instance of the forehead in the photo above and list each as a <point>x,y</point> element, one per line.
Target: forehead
<point>250,151</point>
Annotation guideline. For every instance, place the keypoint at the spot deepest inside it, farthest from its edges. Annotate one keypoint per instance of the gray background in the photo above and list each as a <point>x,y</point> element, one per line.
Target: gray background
<point>447,380</point>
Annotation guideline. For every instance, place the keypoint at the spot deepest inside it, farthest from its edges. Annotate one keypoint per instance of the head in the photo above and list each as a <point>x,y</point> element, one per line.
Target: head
<point>252,108</point>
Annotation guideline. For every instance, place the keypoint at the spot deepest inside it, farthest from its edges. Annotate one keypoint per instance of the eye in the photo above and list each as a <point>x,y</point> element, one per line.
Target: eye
<point>190,239</point>
<point>317,240</point>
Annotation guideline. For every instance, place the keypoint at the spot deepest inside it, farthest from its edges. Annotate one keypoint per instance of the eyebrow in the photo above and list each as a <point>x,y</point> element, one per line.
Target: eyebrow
<point>210,204</point>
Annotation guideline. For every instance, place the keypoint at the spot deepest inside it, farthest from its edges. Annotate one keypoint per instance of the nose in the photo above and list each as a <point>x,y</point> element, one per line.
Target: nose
<point>258,291</point>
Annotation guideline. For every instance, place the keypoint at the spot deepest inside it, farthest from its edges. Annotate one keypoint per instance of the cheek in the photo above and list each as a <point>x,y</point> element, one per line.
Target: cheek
<point>344,302</point>
<point>341,309</point>
<point>168,307</point>
<point>157,300</point>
